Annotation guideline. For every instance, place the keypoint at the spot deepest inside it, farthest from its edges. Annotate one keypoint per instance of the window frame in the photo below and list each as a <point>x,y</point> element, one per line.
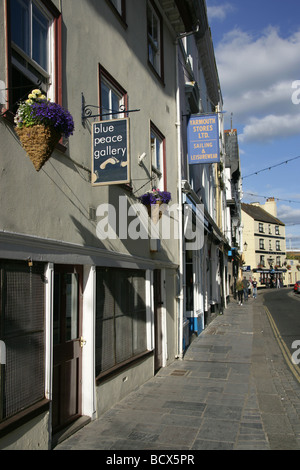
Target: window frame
<point>158,173</point>
<point>261,227</point>
<point>278,245</point>
<point>108,79</point>
<point>55,93</point>
<point>120,9</point>
<point>158,68</point>
<point>16,268</point>
<point>261,244</point>
<point>116,276</point>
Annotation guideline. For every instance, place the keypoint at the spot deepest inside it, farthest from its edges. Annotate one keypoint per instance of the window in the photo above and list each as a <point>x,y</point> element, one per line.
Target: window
<point>22,331</point>
<point>113,98</point>
<point>262,260</point>
<point>270,245</point>
<point>278,245</point>
<point>270,230</point>
<point>158,158</point>
<point>277,230</point>
<point>278,261</point>
<point>261,244</point>
<point>261,227</point>
<point>120,6</point>
<point>120,317</point>
<point>34,60</point>
<point>154,34</point>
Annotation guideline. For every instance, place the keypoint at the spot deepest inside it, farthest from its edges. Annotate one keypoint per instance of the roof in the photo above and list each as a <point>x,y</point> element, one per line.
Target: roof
<point>257,213</point>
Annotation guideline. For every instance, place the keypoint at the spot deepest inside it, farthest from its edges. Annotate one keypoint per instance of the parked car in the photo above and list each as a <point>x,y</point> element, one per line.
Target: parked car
<point>297,287</point>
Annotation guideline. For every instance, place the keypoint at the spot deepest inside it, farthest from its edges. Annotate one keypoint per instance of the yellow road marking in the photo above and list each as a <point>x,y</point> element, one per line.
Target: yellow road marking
<point>284,349</point>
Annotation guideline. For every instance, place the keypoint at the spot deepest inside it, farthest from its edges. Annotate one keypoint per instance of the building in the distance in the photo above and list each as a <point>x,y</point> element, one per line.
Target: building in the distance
<point>264,249</point>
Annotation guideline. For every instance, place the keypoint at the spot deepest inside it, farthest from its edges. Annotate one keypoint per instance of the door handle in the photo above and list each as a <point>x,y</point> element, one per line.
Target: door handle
<point>82,342</point>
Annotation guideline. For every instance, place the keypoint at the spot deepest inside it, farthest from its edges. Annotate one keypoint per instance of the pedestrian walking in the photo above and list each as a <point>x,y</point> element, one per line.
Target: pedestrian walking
<point>245,283</point>
<point>278,283</point>
<point>240,291</point>
<point>254,288</point>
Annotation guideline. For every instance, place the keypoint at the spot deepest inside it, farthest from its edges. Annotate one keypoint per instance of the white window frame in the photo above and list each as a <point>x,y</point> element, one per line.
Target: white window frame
<point>106,113</point>
<point>48,84</point>
<point>154,44</point>
<point>157,159</point>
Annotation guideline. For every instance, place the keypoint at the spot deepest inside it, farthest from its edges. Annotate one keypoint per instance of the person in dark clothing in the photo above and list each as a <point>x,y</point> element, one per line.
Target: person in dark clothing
<point>245,287</point>
<point>240,291</point>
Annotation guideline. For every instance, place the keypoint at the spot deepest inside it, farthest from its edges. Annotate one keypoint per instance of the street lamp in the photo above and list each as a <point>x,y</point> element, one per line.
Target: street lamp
<point>270,261</point>
<point>245,246</point>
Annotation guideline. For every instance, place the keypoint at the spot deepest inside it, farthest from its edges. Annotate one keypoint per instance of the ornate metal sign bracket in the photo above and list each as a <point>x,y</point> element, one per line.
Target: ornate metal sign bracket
<point>87,111</point>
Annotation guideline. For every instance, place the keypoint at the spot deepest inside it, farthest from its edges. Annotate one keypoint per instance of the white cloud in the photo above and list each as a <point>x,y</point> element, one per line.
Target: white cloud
<point>288,214</point>
<point>219,12</point>
<point>256,76</point>
<point>270,127</point>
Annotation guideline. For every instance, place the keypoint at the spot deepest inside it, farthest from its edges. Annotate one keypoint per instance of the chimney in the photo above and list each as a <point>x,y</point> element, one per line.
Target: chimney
<point>270,206</point>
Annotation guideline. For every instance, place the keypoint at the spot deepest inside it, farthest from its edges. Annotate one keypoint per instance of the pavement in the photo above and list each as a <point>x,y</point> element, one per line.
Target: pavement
<point>233,390</point>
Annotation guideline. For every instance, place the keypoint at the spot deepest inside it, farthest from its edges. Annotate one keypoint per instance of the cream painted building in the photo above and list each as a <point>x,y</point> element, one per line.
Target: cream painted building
<point>264,244</point>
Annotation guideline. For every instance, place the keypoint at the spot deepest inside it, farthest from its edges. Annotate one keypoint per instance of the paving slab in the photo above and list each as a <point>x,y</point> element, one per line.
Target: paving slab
<point>231,391</point>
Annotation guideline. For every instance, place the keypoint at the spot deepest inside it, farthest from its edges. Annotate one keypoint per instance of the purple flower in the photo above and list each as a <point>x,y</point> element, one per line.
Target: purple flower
<point>152,197</point>
<point>52,114</point>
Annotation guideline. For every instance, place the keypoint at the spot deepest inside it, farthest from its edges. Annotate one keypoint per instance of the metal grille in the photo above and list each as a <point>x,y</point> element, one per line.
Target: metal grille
<point>22,330</point>
<point>120,316</point>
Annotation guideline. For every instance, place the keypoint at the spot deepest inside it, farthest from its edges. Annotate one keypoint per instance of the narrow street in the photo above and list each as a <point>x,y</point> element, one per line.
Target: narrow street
<point>233,390</point>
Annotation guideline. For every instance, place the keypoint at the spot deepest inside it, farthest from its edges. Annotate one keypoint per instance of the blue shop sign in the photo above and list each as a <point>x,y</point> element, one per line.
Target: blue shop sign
<point>110,152</point>
<point>203,139</point>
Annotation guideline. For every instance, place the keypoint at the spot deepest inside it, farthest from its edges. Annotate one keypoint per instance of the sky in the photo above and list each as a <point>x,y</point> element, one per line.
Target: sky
<point>257,49</point>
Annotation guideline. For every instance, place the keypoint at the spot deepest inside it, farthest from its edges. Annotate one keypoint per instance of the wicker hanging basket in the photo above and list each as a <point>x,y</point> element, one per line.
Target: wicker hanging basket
<point>39,143</point>
<point>155,211</point>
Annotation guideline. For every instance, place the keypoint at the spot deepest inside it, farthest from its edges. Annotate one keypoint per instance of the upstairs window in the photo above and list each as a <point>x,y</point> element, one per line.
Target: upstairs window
<point>276,229</point>
<point>261,227</point>
<point>154,35</point>
<point>278,245</point>
<point>34,50</point>
<point>120,7</point>
<point>113,98</point>
<point>262,261</point>
<point>158,159</point>
<point>261,244</point>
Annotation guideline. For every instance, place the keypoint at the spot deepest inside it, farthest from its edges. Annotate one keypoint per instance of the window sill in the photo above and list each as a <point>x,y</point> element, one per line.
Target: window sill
<point>121,367</point>
<point>14,422</point>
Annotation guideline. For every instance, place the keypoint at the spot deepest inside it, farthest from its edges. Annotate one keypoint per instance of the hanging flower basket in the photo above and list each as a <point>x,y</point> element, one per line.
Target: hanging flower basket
<point>40,124</point>
<point>39,143</point>
<point>153,200</point>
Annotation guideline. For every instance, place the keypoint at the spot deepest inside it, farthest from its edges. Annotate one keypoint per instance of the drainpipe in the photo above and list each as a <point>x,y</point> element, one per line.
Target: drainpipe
<point>180,296</point>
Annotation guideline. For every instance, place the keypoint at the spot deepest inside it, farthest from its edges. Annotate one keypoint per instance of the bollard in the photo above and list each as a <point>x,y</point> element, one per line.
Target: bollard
<point>2,378</point>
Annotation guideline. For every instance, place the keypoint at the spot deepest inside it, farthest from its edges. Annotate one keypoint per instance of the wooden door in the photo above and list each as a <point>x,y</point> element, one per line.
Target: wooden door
<point>67,346</point>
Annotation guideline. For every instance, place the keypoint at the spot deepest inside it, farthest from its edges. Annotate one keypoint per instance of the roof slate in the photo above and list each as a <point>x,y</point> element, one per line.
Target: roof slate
<point>257,213</point>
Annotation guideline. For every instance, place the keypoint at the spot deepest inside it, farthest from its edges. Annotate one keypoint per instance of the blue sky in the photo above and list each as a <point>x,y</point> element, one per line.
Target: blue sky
<point>257,48</point>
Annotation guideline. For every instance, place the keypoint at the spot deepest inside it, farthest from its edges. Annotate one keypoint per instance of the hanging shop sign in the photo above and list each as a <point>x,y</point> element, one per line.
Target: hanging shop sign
<point>203,139</point>
<point>110,152</point>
